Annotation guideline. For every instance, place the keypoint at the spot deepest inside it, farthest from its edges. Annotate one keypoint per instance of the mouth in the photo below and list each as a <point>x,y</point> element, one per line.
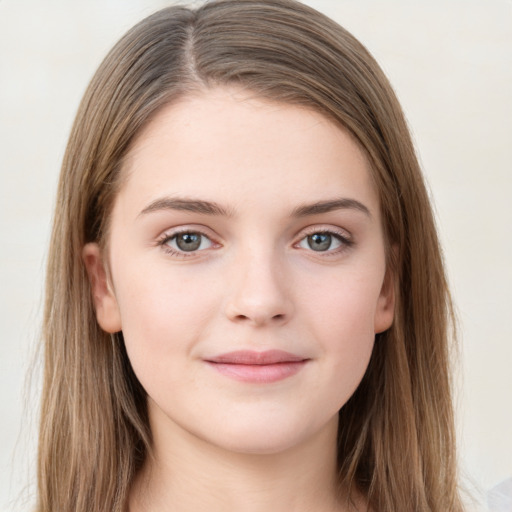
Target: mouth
<point>258,367</point>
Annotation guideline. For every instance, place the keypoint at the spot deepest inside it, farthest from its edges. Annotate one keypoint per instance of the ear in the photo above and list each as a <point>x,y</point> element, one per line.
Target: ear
<point>385,310</point>
<point>105,302</point>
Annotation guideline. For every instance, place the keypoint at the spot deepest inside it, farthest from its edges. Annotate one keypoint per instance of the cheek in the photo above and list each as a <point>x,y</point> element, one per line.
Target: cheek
<point>344,304</point>
<point>162,316</point>
<point>341,319</point>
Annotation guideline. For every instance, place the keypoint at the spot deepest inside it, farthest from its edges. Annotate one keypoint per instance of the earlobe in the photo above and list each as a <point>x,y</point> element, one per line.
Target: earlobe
<point>385,311</point>
<point>105,302</point>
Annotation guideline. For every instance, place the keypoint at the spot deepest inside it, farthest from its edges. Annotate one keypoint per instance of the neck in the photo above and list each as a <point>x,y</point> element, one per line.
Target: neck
<point>190,474</point>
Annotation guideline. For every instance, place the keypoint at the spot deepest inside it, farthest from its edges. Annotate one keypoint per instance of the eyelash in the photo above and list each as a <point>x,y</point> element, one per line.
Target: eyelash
<point>345,241</point>
<point>341,236</point>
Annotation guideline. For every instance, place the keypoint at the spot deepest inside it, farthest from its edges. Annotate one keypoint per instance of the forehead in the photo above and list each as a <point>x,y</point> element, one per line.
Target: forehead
<point>232,147</point>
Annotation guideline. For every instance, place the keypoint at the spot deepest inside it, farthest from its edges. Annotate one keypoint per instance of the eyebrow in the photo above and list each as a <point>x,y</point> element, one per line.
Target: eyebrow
<point>212,208</point>
<point>188,205</point>
<point>329,206</point>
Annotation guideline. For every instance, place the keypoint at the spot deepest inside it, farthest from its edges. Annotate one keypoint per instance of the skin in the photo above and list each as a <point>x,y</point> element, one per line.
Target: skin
<point>255,284</point>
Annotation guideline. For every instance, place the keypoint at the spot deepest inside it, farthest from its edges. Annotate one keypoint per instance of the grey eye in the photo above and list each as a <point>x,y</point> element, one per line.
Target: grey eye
<point>319,241</point>
<point>190,241</point>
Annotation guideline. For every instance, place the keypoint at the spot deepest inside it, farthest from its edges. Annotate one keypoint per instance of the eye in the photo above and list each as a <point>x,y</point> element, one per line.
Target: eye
<point>188,241</point>
<point>324,241</point>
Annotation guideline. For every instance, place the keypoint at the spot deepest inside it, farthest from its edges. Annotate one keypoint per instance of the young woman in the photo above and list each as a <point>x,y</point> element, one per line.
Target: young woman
<point>246,304</point>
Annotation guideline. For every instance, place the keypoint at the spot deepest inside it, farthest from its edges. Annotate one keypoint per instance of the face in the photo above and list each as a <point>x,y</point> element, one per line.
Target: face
<point>246,270</point>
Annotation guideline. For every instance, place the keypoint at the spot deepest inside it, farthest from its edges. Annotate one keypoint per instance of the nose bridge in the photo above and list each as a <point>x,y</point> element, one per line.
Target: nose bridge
<point>259,291</point>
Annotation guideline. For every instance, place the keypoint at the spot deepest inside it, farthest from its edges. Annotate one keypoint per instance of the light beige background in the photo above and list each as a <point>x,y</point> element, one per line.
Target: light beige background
<point>451,64</point>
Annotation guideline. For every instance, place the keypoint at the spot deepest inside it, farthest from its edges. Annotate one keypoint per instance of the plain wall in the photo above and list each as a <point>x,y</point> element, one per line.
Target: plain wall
<point>451,65</point>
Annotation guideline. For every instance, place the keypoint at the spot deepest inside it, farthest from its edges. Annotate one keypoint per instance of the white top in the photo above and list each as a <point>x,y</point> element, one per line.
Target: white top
<point>499,498</point>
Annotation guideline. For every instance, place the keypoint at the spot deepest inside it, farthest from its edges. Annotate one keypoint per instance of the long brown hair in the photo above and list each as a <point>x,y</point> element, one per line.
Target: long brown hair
<point>396,433</point>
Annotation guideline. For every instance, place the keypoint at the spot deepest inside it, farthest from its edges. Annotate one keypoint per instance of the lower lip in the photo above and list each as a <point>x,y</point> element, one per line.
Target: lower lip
<point>259,373</point>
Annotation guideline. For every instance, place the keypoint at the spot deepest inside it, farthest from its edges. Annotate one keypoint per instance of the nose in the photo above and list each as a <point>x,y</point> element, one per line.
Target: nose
<point>259,292</point>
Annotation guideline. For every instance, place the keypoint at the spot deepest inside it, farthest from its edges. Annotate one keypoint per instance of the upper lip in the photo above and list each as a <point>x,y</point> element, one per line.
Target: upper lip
<point>256,358</point>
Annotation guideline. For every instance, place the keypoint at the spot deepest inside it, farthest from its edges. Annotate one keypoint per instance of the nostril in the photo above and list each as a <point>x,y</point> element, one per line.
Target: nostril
<point>257,310</point>
<point>245,318</point>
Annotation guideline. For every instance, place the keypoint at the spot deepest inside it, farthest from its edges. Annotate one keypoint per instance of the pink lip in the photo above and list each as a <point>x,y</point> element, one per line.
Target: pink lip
<point>258,367</point>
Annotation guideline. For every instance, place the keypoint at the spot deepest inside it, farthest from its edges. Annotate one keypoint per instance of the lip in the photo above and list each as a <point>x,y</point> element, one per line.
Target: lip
<point>258,367</point>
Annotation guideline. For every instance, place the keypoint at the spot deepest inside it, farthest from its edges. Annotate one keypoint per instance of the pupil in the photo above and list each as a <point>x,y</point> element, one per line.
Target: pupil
<point>319,241</point>
<point>188,241</point>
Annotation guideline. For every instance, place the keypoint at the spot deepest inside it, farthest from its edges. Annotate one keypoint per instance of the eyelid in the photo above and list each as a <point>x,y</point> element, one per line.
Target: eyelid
<point>329,229</point>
